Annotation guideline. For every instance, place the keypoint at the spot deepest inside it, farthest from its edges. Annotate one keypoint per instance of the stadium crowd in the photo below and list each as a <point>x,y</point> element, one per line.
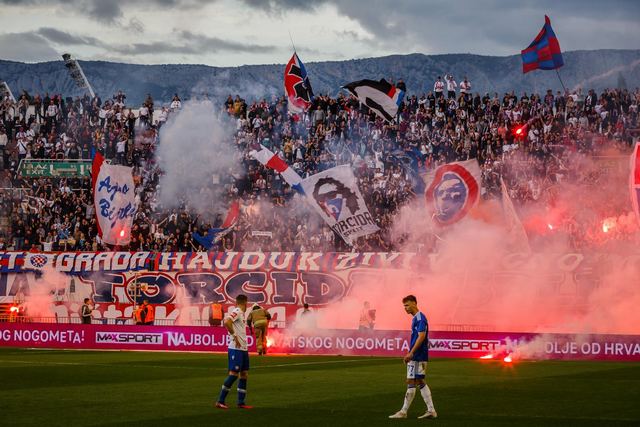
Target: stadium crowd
<point>528,140</point>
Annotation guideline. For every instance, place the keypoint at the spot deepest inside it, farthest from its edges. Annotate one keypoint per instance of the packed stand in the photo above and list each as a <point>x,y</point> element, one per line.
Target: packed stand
<point>447,124</point>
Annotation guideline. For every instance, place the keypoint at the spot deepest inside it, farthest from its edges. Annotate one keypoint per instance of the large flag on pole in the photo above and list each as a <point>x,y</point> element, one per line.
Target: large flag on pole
<point>272,161</point>
<point>544,51</point>
<point>114,200</point>
<point>334,194</point>
<point>452,190</point>
<point>381,97</point>
<point>634,180</point>
<point>517,234</point>
<point>297,86</point>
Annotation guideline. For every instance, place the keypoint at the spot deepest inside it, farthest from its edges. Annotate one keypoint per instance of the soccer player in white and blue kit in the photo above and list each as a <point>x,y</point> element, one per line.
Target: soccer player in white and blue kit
<point>237,352</point>
<point>416,361</point>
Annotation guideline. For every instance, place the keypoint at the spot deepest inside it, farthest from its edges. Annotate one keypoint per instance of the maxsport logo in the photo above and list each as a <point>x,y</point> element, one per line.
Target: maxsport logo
<point>128,338</point>
<point>463,345</point>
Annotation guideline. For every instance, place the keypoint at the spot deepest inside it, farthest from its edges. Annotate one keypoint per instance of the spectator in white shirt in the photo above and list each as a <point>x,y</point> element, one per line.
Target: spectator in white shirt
<point>51,115</point>
<point>438,87</point>
<point>465,89</point>
<point>164,114</point>
<point>3,145</point>
<point>121,148</point>
<point>143,115</point>
<point>176,104</point>
<point>451,87</point>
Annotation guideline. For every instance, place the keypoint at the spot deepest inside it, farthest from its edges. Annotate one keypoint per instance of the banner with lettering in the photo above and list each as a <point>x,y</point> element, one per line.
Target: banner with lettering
<point>390,343</point>
<point>114,200</point>
<point>183,285</point>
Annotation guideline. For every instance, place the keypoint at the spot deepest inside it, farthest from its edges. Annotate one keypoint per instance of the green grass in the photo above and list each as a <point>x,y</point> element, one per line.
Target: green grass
<point>81,388</point>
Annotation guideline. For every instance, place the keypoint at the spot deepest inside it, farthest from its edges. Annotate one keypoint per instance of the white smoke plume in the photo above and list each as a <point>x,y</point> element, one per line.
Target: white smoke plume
<point>197,156</point>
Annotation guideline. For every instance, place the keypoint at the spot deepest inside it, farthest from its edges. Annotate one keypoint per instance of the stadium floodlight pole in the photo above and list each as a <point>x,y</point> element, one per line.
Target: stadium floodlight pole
<point>81,80</point>
<point>5,90</point>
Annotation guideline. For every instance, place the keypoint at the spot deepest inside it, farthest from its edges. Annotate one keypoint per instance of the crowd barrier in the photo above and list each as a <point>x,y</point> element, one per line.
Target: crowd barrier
<point>321,342</point>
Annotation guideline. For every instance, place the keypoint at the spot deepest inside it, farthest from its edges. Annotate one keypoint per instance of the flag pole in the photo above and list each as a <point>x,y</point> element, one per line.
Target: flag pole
<point>292,44</point>
<point>560,78</point>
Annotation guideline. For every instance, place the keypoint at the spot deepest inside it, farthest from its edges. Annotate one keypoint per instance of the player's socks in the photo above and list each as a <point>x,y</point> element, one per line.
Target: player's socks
<point>226,386</point>
<point>408,397</point>
<point>242,391</point>
<point>426,395</point>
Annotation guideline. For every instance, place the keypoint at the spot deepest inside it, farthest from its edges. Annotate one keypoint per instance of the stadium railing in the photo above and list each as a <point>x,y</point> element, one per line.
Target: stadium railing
<point>111,321</point>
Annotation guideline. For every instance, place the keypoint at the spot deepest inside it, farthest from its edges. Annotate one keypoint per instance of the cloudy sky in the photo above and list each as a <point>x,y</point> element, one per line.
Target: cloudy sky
<point>237,32</point>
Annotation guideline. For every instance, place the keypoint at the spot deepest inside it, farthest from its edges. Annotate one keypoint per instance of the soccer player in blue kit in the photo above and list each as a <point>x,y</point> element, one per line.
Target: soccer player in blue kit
<point>238,353</point>
<point>416,361</point>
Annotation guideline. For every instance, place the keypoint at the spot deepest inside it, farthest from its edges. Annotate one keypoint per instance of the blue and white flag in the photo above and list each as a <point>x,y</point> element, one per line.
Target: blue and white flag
<point>215,234</point>
<point>114,201</point>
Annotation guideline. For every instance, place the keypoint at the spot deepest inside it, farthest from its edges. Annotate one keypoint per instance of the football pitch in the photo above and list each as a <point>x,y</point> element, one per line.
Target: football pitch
<point>84,388</point>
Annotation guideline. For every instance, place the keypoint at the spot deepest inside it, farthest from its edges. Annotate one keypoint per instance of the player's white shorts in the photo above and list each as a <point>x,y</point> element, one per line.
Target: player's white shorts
<point>416,370</point>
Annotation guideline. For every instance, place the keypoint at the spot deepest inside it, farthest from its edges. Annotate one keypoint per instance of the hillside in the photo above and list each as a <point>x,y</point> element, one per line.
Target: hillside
<point>592,69</point>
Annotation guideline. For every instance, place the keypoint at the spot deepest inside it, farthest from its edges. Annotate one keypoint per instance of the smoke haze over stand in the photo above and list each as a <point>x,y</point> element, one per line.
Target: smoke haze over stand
<point>474,279</point>
<point>196,145</point>
<point>547,292</point>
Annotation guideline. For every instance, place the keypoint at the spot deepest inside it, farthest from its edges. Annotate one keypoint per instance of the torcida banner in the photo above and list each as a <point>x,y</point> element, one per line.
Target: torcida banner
<point>182,284</point>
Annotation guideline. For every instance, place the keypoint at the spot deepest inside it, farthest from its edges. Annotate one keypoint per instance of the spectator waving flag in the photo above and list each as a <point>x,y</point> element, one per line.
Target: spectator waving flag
<point>215,234</point>
<point>544,51</point>
<point>452,190</point>
<point>334,194</point>
<point>272,161</point>
<point>634,180</point>
<point>114,200</point>
<point>297,86</point>
<point>381,97</point>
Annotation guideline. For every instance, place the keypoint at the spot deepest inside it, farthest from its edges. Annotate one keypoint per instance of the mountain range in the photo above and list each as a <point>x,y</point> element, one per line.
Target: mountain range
<point>595,69</point>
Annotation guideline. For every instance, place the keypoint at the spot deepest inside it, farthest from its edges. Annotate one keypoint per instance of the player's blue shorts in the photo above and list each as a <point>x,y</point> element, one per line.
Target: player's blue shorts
<point>238,360</point>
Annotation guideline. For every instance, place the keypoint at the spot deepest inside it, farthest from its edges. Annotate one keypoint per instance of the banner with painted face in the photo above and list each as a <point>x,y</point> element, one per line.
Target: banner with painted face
<point>335,195</point>
<point>114,200</point>
<point>453,190</point>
